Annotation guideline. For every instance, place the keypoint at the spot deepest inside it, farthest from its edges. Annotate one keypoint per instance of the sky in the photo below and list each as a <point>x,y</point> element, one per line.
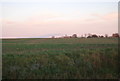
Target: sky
<point>34,19</point>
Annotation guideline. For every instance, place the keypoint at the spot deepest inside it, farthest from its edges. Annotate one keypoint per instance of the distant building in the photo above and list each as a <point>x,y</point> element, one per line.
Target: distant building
<point>115,35</point>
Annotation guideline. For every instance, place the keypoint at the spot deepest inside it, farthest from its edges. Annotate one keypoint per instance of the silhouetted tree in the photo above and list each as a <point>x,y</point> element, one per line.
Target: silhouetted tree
<point>74,35</point>
<point>94,36</point>
<point>106,35</point>
<point>89,36</point>
<point>101,36</point>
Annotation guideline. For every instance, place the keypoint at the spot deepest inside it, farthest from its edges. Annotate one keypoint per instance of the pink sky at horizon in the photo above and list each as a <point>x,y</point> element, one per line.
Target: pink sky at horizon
<point>30,20</point>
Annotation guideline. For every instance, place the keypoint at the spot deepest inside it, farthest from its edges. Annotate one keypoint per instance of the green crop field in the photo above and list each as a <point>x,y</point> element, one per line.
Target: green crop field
<point>60,58</point>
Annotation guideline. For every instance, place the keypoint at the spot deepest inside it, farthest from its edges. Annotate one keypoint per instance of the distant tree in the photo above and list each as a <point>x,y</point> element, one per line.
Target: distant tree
<point>89,36</point>
<point>106,35</point>
<point>94,36</point>
<point>53,36</point>
<point>74,35</point>
<point>101,36</point>
<point>70,36</point>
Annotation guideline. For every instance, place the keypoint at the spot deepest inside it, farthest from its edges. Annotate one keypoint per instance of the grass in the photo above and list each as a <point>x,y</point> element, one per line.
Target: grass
<point>74,58</point>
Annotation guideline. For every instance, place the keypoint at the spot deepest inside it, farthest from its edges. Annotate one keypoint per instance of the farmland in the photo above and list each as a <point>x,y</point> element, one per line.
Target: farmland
<point>60,58</point>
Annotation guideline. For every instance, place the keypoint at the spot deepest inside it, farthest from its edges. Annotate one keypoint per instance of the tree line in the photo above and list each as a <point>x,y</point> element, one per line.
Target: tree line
<point>114,35</point>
